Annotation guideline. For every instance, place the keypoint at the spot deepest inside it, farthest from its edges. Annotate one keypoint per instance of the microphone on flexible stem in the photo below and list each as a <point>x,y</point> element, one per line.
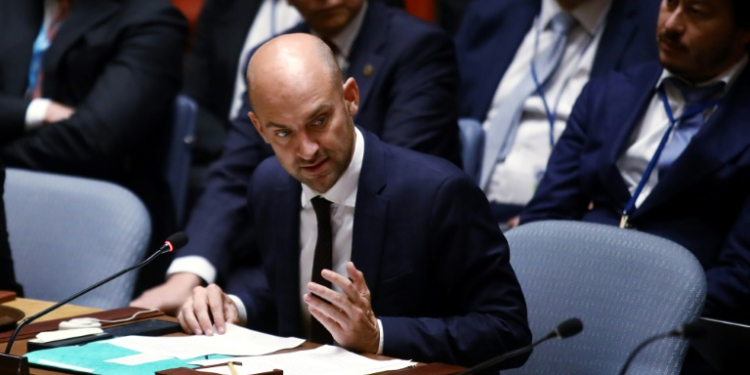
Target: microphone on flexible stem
<point>172,243</point>
<point>688,331</point>
<point>568,328</point>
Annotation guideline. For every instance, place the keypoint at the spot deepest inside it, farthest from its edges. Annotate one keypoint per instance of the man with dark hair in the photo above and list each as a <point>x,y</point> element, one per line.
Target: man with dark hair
<point>665,149</point>
<point>523,64</point>
<point>432,280</point>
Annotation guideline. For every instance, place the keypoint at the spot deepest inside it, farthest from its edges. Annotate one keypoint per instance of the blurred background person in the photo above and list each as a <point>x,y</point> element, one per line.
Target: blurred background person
<point>87,88</point>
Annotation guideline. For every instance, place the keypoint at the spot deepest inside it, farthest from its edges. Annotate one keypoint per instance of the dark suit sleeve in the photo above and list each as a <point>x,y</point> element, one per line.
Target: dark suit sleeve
<point>12,116</point>
<point>422,103</point>
<point>138,82</point>
<point>728,295</point>
<point>560,194</point>
<point>221,212</point>
<point>484,309</point>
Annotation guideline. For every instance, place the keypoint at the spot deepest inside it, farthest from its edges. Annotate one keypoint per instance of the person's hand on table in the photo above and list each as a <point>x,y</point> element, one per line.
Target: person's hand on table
<point>170,296</point>
<point>349,316</point>
<point>206,303</point>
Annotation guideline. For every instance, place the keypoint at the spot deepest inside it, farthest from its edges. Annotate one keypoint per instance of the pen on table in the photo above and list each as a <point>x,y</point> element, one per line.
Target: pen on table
<point>231,368</point>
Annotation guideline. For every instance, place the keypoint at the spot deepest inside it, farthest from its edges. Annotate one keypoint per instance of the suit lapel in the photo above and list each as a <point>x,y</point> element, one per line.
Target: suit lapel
<point>725,135</point>
<point>621,26</point>
<point>365,59</point>
<point>20,22</point>
<point>518,19</point>
<point>84,15</point>
<point>640,87</point>
<point>284,224</point>
<point>370,213</point>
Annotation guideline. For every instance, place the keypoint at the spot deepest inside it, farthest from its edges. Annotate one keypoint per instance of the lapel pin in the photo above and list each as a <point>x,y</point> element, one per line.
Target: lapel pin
<point>367,71</point>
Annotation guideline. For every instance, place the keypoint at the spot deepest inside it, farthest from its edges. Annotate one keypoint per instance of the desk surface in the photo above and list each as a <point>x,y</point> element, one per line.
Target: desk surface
<point>31,306</point>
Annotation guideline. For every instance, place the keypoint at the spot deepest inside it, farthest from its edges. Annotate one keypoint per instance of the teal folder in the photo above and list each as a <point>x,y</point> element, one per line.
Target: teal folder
<point>93,356</point>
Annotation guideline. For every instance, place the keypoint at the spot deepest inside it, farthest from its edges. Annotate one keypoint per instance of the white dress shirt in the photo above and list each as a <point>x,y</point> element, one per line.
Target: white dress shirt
<point>648,134</point>
<point>515,180</point>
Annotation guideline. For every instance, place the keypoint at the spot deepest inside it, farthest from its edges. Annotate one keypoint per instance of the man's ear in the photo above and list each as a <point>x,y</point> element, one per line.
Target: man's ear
<point>351,96</point>
<point>256,124</point>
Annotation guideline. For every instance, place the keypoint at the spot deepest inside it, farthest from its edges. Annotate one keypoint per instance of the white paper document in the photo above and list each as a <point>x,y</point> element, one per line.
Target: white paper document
<point>138,359</point>
<point>324,360</point>
<point>236,341</point>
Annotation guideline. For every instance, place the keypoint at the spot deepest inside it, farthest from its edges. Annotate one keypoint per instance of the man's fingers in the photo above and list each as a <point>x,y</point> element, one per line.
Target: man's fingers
<point>344,283</point>
<point>338,300</point>
<point>358,279</point>
<point>215,300</point>
<point>187,318</point>
<point>329,315</point>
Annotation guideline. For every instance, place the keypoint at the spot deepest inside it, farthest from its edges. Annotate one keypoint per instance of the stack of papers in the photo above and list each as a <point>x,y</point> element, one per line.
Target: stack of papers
<point>324,360</point>
<point>236,341</point>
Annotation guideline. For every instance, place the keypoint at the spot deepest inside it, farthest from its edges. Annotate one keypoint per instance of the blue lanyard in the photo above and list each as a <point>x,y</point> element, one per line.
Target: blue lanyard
<point>689,112</point>
<point>41,43</point>
<point>551,114</point>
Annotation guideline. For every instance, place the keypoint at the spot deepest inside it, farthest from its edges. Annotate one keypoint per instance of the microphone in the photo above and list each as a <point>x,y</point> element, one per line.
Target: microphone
<point>568,328</point>
<point>172,243</point>
<point>691,330</point>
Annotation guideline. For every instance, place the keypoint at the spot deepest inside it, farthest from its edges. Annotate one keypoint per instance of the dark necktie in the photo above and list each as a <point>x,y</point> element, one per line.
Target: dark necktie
<point>687,127</point>
<point>323,260</point>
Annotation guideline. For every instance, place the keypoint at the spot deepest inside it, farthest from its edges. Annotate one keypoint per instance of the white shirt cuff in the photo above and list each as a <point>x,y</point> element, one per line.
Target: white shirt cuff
<point>380,345</point>
<point>36,112</point>
<point>241,311</point>
<point>193,264</point>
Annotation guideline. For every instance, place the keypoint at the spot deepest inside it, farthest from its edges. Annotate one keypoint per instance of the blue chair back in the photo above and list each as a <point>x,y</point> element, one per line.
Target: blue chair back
<point>179,157</point>
<point>472,146</point>
<point>624,285</point>
<point>67,233</point>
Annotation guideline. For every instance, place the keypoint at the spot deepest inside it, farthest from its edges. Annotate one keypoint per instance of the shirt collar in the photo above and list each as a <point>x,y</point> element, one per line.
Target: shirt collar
<point>589,14</point>
<point>729,76</point>
<point>344,191</point>
<point>345,39</point>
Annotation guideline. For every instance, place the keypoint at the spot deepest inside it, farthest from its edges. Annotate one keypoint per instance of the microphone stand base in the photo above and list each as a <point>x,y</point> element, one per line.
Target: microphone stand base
<point>13,365</point>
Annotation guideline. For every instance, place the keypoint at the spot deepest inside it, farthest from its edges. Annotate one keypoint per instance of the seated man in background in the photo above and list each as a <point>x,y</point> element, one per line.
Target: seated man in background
<point>665,148</point>
<point>87,88</point>
<point>523,63</point>
<point>215,75</point>
<point>7,273</point>
<point>408,78</point>
<point>434,281</point>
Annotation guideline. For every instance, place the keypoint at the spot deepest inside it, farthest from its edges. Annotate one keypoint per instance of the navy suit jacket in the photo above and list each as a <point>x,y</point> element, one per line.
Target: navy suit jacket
<point>702,202</point>
<point>433,257</point>
<point>408,100</point>
<point>492,31</point>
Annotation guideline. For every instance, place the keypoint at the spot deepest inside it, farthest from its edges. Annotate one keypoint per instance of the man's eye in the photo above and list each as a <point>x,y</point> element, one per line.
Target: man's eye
<point>320,121</point>
<point>282,133</point>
